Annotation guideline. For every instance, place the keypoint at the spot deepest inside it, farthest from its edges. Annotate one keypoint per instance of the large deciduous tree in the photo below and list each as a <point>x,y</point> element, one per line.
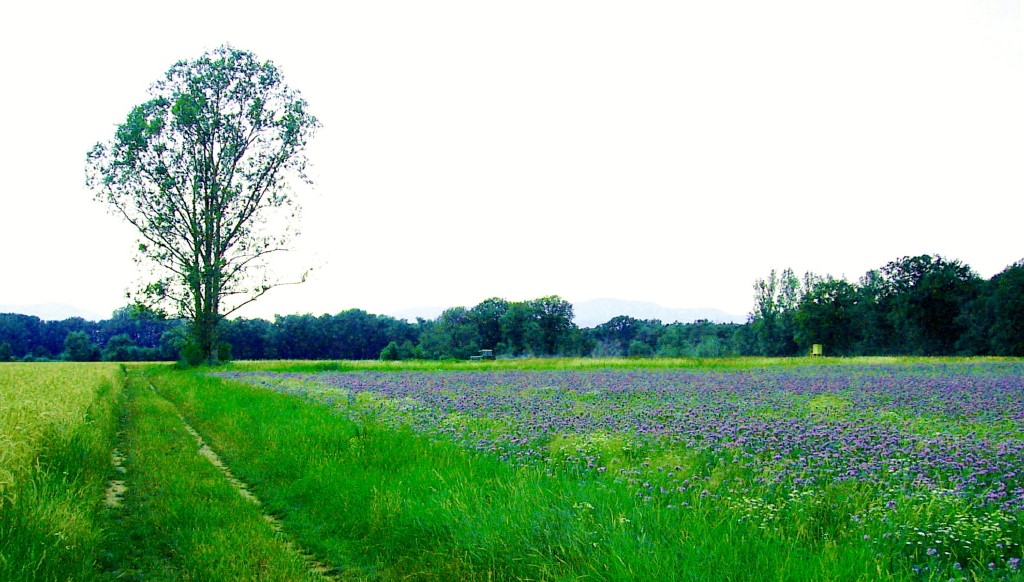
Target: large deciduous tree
<point>203,170</point>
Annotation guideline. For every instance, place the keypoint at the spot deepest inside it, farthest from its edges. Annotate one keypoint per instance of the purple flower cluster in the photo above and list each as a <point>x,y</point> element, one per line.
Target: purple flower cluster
<point>950,427</point>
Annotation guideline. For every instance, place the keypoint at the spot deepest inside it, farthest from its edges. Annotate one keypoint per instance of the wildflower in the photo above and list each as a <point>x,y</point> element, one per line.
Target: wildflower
<point>1013,563</point>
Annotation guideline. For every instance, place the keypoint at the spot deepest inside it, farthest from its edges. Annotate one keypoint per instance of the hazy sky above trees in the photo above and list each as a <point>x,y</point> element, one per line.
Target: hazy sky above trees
<point>658,151</point>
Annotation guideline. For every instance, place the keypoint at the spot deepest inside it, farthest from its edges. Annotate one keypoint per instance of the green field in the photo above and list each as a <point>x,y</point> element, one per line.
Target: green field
<point>756,469</point>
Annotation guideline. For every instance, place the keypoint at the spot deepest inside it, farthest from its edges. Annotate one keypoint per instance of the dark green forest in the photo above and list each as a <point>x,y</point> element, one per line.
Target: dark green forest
<point>921,306</point>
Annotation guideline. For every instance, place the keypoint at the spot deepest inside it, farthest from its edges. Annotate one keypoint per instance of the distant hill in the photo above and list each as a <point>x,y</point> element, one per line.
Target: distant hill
<point>410,314</point>
<point>52,311</point>
<point>597,311</point>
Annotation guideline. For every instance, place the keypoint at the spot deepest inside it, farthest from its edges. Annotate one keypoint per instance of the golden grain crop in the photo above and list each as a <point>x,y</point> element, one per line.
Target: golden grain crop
<point>40,400</point>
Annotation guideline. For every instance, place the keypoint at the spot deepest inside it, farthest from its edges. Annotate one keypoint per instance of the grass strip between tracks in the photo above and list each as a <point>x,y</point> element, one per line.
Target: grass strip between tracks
<point>181,519</point>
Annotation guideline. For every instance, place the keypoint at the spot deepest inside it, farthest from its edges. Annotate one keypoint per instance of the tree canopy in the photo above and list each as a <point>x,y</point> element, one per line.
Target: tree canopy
<point>204,171</point>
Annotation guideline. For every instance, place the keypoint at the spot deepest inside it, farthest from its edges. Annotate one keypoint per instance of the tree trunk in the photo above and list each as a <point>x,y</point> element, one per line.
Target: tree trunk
<point>205,336</point>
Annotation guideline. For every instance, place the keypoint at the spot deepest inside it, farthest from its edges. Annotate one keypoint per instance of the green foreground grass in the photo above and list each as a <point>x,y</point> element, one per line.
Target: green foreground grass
<point>374,501</point>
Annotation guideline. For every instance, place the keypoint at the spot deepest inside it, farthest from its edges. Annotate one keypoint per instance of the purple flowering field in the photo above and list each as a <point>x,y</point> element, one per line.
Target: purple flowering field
<point>925,460</point>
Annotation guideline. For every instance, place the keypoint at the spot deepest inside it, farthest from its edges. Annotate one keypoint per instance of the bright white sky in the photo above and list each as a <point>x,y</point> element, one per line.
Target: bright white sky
<point>656,151</point>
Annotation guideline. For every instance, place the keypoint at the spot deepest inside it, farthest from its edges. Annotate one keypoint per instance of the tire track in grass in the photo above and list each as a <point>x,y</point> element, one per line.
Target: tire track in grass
<point>116,488</point>
<point>245,491</point>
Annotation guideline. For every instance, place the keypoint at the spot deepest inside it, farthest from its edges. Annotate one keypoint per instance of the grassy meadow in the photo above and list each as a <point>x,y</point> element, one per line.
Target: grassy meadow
<point>900,469</point>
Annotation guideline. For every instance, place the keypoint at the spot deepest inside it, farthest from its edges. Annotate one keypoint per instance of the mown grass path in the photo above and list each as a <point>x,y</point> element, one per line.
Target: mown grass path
<point>245,491</point>
<point>181,518</point>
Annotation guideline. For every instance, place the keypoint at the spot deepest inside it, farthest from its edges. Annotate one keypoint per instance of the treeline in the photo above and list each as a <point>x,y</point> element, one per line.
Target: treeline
<point>919,305</point>
<point>130,334</point>
<point>538,327</point>
<point>922,305</point>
